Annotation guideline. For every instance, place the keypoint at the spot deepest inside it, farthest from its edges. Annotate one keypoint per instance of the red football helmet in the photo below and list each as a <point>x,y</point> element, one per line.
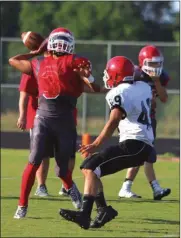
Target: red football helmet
<point>151,60</point>
<point>61,40</point>
<point>118,69</point>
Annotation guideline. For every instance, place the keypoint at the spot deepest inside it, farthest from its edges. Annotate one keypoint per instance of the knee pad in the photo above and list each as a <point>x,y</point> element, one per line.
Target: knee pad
<point>92,162</point>
<point>97,172</point>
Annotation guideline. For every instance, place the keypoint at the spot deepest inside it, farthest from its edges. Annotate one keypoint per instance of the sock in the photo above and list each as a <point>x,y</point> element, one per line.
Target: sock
<point>100,200</point>
<point>87,204</point>
<point>67,180</point>
<point>127,184</point>
<point>28,180</point>
<point>155,185</point>
<point>127,179</point>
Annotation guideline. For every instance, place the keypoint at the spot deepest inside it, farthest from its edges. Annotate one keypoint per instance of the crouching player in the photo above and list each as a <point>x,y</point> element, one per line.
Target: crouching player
<point>130,104</point>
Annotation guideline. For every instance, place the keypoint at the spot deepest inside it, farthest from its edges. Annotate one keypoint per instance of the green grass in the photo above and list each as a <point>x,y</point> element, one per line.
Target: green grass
<point>137,218</point>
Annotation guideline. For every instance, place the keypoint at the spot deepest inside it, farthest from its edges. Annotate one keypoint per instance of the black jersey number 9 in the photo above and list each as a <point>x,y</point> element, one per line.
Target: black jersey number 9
<point>117,100</point>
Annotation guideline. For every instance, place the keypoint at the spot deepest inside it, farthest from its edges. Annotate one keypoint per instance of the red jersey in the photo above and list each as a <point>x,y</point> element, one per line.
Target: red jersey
<point>29,85</point>
<point>59,86</point>
<point>56,76</point>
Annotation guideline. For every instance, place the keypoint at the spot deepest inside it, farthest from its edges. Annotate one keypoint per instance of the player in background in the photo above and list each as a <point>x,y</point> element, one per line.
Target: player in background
<point>130,104</point>
<point>151,71</point>
<point>60,77</point>
<point>28,103</point>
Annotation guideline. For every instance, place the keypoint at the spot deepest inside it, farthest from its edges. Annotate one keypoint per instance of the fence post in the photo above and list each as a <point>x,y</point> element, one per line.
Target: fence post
<point>109,53</point>
<point>84,113</point>
<point>1,60</point>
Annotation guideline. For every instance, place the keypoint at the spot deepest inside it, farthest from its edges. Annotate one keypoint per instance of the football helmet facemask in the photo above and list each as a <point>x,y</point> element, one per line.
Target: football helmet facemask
<point>61,40</point>
<point>151,60</point>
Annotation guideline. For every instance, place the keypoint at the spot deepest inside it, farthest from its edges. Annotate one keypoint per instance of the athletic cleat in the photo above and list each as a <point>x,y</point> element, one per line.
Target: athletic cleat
<point>20,212</point>
<point>123,193</point>
<point>78,217</point>
<point>158,195</point>
<point>42,191</point>
<point>104,215</point>
<point>75,196</point>
<point>63,191</point>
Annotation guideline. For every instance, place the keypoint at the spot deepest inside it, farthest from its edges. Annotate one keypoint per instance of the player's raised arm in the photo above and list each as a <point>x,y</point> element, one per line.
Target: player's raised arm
<point>21,62</point>
<point>161,91</point>
<point>37,45</point>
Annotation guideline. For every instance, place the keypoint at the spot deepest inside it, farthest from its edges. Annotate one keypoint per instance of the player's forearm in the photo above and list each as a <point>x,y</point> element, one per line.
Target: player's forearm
<point>161,91</point>
<point>21,63</point>
<point>107,132</point>
<point>22,57</point>
<point>23,103</point>
<point>96,88</point>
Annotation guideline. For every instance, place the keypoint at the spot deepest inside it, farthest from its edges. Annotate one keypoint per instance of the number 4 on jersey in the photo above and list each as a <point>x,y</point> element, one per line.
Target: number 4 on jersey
<point>144,115</point>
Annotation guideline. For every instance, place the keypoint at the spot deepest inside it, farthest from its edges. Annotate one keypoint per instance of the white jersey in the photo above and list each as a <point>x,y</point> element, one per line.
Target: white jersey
<point>135,100</point>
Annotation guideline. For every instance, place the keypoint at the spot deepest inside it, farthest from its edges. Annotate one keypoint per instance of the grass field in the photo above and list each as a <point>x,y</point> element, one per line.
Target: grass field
<point>137,218</point>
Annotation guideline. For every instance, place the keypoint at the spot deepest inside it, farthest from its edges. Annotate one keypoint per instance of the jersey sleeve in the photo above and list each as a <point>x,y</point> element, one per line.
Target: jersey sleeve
<point>28,84</point>
<point>137,72</point>
<point>81,62</point>
<point>117,100</point>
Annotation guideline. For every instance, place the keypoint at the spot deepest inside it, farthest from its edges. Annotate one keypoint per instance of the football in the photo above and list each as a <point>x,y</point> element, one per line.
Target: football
<point>32,40</point>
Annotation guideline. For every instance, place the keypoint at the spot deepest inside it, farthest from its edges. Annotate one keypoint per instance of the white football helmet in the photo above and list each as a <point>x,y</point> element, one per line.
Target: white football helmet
<point>61,40</point>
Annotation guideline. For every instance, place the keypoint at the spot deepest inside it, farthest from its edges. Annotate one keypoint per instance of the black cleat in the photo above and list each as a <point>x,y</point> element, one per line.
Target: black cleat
<point>78,217</point>
<point>162,193</point>
<point>104,215</point>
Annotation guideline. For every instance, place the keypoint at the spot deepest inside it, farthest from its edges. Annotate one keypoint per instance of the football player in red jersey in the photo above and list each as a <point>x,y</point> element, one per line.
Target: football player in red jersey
<point>28,104</point>
<point>151,71</point>
<point>60,78</point>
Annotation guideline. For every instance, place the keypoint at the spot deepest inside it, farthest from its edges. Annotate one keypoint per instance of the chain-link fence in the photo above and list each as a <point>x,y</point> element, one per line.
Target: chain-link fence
<point>92,108</point>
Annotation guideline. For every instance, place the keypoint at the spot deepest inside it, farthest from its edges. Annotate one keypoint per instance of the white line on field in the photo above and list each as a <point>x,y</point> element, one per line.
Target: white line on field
<point>10,178</point>
<point>74,178</point>
<point>171,235</point>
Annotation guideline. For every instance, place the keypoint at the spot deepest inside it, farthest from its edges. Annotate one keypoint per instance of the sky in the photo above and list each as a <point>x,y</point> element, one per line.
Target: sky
<point>176,5</point>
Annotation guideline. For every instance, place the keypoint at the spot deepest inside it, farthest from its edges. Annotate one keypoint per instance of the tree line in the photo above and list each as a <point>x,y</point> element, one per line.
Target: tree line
<point>125,21</point>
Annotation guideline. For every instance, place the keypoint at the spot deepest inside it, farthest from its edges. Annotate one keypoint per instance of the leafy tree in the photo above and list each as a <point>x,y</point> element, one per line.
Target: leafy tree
<point>145,21</point>
<point>37,16</point>
<point>9,18</point>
